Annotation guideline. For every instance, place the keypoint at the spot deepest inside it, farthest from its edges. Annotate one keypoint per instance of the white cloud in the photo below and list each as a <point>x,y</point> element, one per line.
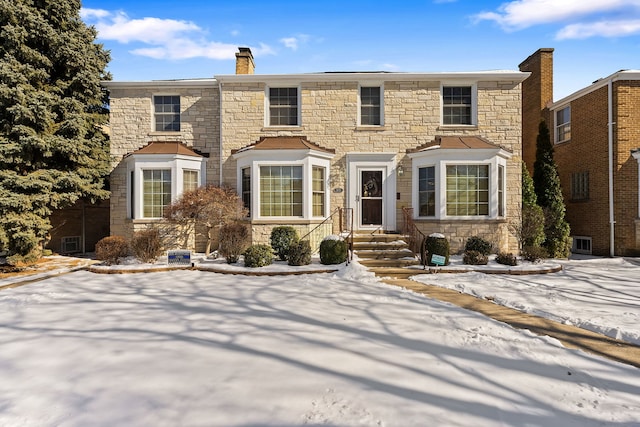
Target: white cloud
<point>295,41</point>
<point>167,38</point>
<point>520,14</point>
<point>620,28</point>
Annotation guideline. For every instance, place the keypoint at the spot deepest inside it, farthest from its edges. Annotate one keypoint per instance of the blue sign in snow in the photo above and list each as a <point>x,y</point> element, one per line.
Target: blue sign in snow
<point>179,257</point>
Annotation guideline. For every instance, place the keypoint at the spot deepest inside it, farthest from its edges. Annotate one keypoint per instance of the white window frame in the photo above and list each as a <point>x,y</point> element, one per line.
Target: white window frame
<point>440,159</point>
<point>558,126</point>
<point>305,158</point>
<point>474,103</point>
<point>177,163</point>
<point>267,105</point>
<point>153,113</point>
<point>369,85</point>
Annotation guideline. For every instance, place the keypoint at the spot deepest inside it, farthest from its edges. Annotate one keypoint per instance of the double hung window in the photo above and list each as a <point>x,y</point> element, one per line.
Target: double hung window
<point>563,125</point>
<point>457,105</point>
<point>166,113</point>
<point>283,106</point>
<point>371,106</point>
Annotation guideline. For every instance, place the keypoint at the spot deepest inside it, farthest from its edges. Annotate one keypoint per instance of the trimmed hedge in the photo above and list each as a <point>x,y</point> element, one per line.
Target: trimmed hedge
<point>258,256</point>
<point>282,238</point>
<point>333,250</point>
<point>300,253</point>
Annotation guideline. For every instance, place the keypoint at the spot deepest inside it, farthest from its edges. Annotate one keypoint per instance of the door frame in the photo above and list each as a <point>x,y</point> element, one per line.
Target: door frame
<point>382,161</point>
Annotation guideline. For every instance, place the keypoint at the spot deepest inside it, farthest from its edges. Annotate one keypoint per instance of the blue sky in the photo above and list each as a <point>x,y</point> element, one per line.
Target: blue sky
<point>151,40</point>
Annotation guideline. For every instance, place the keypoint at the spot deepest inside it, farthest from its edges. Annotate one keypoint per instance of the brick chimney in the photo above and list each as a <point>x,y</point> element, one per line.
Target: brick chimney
<point>244,61</point>
<point>537,93</point>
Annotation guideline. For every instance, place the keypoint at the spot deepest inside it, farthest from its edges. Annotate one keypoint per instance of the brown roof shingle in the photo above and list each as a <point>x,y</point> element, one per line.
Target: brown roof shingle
<point>284,143</point>
<point>456,142</point>
<point>158,147</point>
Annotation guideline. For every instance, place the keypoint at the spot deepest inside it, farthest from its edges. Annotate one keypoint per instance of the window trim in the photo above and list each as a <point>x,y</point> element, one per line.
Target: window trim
<point>177,163</point>
<point>154,125</point>
<point>474,103</point>
<point>558,126</point>
<point>380,86</point>
<point>440,159</point>
<point>305,158</point>
<point>574,245</point>
<point>267,105</point>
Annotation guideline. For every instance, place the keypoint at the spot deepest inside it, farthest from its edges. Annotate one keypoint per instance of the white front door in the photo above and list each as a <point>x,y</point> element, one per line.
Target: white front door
<point>371,190</point>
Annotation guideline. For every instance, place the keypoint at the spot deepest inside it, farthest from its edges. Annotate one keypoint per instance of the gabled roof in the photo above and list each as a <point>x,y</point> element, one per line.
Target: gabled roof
<point>456,143</point>
<point>158,147</point>
<point>284,143</point>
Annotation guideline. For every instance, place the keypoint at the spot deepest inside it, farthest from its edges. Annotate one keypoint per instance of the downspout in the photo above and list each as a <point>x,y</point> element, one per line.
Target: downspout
<point>220,131</point>
<point>612,220</point>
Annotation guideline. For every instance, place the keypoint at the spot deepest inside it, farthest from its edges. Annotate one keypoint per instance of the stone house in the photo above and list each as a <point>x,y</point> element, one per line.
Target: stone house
<point>596,135</point>
<point>442,148</point>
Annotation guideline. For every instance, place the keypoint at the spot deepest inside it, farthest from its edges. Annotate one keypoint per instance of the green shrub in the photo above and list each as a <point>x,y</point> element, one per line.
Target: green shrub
<point>506,258</point>
<point>478,244</point>
<point>333,250</point>
<point>234,239</point>
<point>534,253</point>
<point>300,253</point>
<point>282,238</point>
<point>20,261</point>
<point>436,244</point>
<point>258,256</point>
<point>474,258</point>
<point>146,245</point>
<point>111,248</point>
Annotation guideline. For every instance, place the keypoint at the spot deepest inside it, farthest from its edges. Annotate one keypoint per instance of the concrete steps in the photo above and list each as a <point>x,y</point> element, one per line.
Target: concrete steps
<point>383,250</point>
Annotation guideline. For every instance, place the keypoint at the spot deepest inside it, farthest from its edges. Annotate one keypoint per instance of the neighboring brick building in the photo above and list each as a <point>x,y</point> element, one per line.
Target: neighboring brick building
<point>596,134</point>
<point>298,146</point>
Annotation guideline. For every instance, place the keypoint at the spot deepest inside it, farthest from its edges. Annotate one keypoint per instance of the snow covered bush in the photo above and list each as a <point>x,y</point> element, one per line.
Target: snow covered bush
<point>111,248</point>
<point>282,238</point>
<point>300,253</point>
<point>258,256</point>
<point>333,250</point>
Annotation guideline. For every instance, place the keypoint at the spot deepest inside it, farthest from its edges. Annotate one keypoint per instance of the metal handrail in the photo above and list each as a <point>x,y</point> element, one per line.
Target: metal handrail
<point>344,227</point>
<point>414,235</point>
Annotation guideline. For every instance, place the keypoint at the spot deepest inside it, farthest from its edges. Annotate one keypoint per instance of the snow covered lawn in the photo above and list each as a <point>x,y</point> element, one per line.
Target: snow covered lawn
<point>598,294</point>
<point>194,348</point>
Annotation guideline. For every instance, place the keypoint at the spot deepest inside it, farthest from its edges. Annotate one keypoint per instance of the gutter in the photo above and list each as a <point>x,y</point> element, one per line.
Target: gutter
<point>220,131</point>
<point>612,221</point>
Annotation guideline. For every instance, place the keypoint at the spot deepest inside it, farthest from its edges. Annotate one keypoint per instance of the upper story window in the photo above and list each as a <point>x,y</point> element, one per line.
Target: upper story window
<point>458,105</point>
<point>563,124</point>
<point>371,106</point>
<point>166,110</point>
<point>283,106</point>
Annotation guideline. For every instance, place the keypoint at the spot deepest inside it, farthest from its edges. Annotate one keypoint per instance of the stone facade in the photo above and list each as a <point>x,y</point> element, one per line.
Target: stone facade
<point>588,152</point>
<point>217,123</point>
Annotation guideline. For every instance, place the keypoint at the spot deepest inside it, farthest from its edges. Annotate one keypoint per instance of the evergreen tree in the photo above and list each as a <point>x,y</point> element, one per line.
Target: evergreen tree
<point>532,231</point>
<point>53,148</point>
<point>549,194</point>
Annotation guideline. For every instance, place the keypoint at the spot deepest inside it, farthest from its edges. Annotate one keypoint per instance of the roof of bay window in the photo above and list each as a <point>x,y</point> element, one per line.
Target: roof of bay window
<point>456,142</point>
<point>284,143</point>
<point>177,148</point>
